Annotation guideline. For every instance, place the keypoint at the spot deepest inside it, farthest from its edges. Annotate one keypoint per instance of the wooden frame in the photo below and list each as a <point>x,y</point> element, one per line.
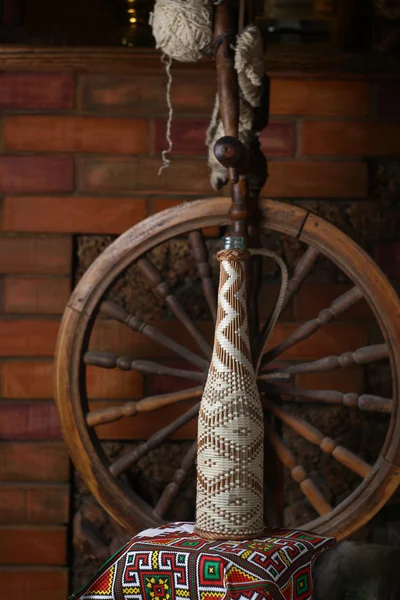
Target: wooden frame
<point>119,500</point>
<point>300,62</point>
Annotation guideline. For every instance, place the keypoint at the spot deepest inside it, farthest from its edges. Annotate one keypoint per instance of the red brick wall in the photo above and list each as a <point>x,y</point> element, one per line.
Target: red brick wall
<point>79,154</point>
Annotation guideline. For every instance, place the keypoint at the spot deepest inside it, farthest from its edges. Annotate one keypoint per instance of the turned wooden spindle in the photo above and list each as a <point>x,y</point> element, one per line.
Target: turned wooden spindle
<point>132,408</point>
<point>170,492</point>
<point>200,253</point>
<point>301,271</point>
<point>116,312</point>
<point>364,402</point>
<point>361,356</point>
<point>299,474</point>
<point>127,461</point>
<point>227,80</point>
<point>162,288</point>
<point>326,316</point>
<point>108,360</point>
<point>327,444</point>
<point>228,94</point>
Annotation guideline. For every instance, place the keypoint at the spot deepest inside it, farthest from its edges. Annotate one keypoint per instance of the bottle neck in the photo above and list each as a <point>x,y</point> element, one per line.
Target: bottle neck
<point>232,243</point>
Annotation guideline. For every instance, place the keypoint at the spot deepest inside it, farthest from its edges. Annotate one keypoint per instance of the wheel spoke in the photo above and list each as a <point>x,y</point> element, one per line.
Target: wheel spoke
<point>338,306</point>
<point>130,409</point>
<point>170,492</point>
<point>298,473</point>
<point>200,253</point>
<point>301,271</point>
<point>108,360</point>
<point>127,461</point>
<point>327,445</point>
<point>274,376</point>
<point>162,288</point>
<point>116,312</point>
<point>363,402</point>
<point>362,356</point>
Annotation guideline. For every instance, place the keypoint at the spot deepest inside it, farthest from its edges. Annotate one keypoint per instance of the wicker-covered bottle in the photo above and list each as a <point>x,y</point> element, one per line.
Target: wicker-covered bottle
<point>230,429</point>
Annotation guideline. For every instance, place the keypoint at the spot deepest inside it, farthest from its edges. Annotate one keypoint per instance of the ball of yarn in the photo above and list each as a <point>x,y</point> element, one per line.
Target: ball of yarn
<point>182,28</point>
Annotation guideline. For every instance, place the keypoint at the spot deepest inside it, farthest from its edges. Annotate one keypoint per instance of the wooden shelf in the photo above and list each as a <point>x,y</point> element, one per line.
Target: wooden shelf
<point>305,15</point>
<point>286,61</point>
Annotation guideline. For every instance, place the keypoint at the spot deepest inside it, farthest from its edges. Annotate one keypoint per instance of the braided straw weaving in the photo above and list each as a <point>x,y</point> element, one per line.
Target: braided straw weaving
<point>230,429</point>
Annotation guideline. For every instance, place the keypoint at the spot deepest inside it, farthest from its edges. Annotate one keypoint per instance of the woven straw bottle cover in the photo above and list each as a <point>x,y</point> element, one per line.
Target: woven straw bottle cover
<point>230,429</point>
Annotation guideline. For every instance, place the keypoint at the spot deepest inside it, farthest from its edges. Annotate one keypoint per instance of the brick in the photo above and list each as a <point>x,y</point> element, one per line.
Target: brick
<point>159,204</point>
<point>387,255</point>
<point>388,100</point>
<point>38,91</point>
<point>116,175</point>
<point>331,138</point>
<point>314,297</point>
<point>132,94</point>
<point>113,383</point>
<point>188,136</point>
<point>33,545</point>
<point>319,98</point>
<point>279,139</point>
<point>34,505</point>
<point>316,180</point>
<point>331,339</point>
<point>36,174</point>
<point>192,94</point>
<point>24,583</point>
<point>35,295</point>
<point>110,336</point>
<point>349,380</point>
<point>36,255</point>
<point>29,422</point>
<point>73,214</point>
<point>142,426</point>
<point>34,380</point>
<point>164,384</point>
<point>75,134</point>
<point>145,94</point>
<point>28,337</point>
<point>34,461</point>
<point>27,380</point>
<point>191,177</point>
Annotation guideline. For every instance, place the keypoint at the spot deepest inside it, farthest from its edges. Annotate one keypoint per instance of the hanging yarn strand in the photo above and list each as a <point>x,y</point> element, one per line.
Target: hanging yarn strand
<point>167,61</point>
<point>183,31</point>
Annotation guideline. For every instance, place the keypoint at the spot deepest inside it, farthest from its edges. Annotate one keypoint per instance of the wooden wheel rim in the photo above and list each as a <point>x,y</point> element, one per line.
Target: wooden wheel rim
<point>121,502</point>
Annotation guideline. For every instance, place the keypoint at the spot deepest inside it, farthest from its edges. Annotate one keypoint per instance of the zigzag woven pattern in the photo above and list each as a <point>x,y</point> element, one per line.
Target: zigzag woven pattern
<point>230,429</point>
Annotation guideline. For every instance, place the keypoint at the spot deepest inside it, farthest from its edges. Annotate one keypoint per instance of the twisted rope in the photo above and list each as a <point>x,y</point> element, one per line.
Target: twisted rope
<point>281,297</point>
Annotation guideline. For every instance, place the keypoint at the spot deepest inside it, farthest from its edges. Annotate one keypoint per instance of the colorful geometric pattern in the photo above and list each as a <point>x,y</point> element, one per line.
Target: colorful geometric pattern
<point>230,439</point>
<point>173,563</point>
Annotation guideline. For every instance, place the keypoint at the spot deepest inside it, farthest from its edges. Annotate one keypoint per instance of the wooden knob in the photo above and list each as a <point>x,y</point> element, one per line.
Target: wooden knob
<point>231,153</point>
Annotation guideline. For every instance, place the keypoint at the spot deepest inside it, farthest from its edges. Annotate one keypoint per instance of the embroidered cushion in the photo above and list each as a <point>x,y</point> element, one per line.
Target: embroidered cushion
<point>172,563</point>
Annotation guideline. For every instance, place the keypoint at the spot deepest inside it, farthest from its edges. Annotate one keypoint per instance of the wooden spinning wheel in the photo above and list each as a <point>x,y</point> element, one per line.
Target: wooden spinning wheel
<point>106,479</point>
<point>97,302</point>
